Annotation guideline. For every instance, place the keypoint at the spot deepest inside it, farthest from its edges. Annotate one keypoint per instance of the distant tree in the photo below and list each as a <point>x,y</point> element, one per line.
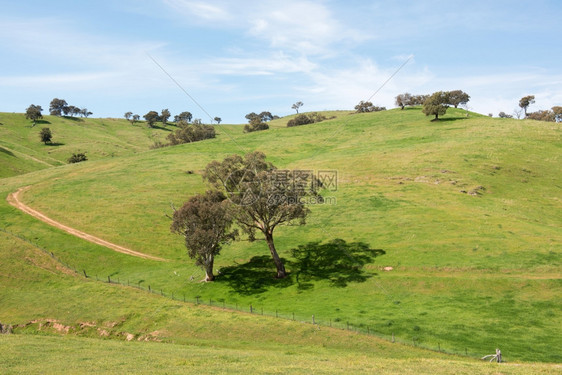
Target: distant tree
<point>557,113</point>
<point>151,118</point>
<point>266,116</point>
<point>197,121</point>
<point>296,106</point>
<point>436,104</point>
<point>517,113</point>
<point>134,119</point>
<point>502,114</point>
<point>77,158</point>
<point>164,116</point>
<point>418,99</point>
<point>45,135</point>
<point>71,110</point>
<point>85,113</point>
<point>33,113</point>
<point>58,106</point>
<point>457,97</point>
<point>128,115</point>
<point>261,201</point>
<point>363,107</point>
<point>403,100</point>
<point>204,221</point>
<point>526,101</point>
<point>256,122</point>
<point>184,116</point>
<point>218,120</point>
<point>546,115</point>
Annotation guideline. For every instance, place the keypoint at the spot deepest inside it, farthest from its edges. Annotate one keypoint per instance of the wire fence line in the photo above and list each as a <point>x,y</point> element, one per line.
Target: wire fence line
<point>313,319</point>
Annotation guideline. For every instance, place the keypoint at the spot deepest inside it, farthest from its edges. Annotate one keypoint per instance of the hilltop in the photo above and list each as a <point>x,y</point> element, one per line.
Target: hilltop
<point>466,210</point>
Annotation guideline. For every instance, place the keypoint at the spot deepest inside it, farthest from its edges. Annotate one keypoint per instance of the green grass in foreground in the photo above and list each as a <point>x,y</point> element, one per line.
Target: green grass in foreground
<point>192,338</point>
<point>470,272</point>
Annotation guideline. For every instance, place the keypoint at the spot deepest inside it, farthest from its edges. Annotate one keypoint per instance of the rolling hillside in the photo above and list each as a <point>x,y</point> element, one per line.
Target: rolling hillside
<point>466,211</point>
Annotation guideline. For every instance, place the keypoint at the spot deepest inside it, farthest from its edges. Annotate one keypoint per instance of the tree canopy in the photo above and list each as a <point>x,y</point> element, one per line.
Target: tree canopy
<point>33,113</point>
<point>526,101</point>
<point>436,104</point>
<point>296,106</point>
<point>457,97</point>
<point>151,118</point>
<point>204,221</point>
<point>263,197</point>
<point>363,107</point>
<point>58,106</point>
<point>45,135</point>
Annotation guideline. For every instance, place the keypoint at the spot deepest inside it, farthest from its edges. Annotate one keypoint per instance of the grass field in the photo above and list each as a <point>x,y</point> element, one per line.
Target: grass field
<point>466,210</point>
<point>70,324</point>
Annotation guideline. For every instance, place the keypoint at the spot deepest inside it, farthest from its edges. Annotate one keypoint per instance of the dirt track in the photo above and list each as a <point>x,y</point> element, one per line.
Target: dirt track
<point>13,199</point>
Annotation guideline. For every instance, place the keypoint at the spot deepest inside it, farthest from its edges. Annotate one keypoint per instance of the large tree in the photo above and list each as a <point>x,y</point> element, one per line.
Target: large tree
<point>45,135</point>
<point>526,101</point>
<point>33,113</point>
<point>436,104</point>
<point>204,221</point>
<point>58,106</point>
<point>263,197</point>
<point>151,118</point>
<point>457,97</point>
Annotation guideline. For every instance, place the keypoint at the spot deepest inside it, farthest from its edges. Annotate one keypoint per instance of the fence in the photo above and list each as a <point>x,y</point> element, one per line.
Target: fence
<point>316,320</point>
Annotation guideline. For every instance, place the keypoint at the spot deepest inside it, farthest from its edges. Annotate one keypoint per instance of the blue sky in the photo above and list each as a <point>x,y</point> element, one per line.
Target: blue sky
<point>236,57</point>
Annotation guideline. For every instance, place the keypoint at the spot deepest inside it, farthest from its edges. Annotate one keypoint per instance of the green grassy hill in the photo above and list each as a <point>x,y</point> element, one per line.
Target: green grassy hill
<point>21,150</point>
<point>466,210</point>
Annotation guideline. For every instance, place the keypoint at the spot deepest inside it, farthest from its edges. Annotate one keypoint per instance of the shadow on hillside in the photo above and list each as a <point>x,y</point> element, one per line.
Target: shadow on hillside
<point>447,119</point>
<point>75,119</point>
<point>253,277</point>
<point>8,152</point>
<point>160,127</point>
<point>55,144</point>
<point>336,261</point>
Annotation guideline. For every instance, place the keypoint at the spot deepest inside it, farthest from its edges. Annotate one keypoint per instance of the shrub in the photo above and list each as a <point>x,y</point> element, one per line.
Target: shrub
<point>255,126</point>
<point>305,119</point>
<point>77,158</point>
<point>191,133</point>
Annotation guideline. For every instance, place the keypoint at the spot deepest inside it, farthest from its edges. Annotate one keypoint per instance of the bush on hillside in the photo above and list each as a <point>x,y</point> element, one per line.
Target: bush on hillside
<point>255,126</point>
<point>77,158</point>
<point>188,133</point>
<point>305,119</point>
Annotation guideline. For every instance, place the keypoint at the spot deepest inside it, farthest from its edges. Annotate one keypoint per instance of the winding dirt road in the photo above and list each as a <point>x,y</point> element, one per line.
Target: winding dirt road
<point>13,199</point>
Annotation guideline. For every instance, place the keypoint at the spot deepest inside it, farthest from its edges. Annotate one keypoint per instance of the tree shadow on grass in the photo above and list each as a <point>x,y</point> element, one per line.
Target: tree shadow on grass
<point>55,144</point>
<point>75,119</point>
<point>253,277</point>
<point>447,119</point>
<point>160,128</point>
<point>6,151</point>
<point>337,261</point>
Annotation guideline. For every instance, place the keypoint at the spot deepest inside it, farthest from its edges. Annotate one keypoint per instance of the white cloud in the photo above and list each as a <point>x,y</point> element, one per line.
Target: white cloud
<point>201,10</point>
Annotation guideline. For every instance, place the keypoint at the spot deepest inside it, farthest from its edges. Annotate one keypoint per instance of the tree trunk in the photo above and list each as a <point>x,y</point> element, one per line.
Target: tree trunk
<point>278,263</point>
<point>209,270</point>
